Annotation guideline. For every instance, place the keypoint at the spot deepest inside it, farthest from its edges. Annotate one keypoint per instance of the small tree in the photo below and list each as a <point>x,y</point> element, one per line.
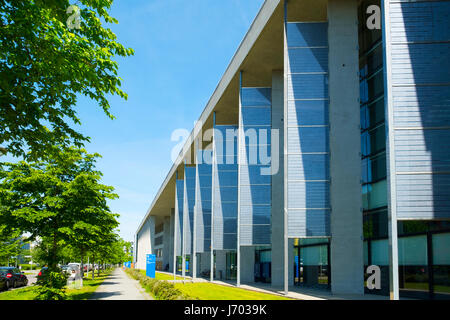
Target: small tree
<point>60,200</point>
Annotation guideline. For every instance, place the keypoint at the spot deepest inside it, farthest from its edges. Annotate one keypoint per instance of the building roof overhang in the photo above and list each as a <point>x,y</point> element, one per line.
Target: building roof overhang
<point>259,53</point>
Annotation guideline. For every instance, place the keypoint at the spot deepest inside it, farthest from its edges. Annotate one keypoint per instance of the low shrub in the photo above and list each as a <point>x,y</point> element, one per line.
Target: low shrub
<point>162,290</point>
<point>51,285</point>
<point>27,266</point>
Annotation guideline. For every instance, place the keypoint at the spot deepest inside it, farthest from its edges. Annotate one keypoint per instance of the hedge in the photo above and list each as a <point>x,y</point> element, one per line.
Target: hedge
<point>27,266</point>
<point>162,290</point>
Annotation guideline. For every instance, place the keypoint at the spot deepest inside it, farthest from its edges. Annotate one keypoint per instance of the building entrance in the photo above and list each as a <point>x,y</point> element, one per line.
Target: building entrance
<point>311,266</point>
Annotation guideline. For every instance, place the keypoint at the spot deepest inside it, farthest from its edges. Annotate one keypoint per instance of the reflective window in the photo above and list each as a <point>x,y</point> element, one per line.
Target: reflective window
<point>380,252</point>
<point>373,135</point>
<point>413,264</point>
<point>374,168</point>
<point>375,224</point>
<point>372,114</point>
<point>366,253</point>
<point>311,265</point>
<point>374,195</point>
<point>373,141</point>
<point>441,263</point>
<point>263,265</point>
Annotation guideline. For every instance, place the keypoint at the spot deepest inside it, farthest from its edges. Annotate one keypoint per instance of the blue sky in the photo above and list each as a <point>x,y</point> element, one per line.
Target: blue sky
<point>182,50</point>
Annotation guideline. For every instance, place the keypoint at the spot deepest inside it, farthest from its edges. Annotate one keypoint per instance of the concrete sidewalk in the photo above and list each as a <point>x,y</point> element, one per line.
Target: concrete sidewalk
<point>119,286</point>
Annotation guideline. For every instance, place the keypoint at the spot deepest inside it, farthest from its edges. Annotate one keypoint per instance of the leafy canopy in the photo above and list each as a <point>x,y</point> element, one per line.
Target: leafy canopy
<point>59,199</point>
<point>44,65</point>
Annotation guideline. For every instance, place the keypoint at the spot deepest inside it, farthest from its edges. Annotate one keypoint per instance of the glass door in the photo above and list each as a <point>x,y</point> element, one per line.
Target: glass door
<point>263,265</point>
<point>231,271</point>
<point>179,264</point>
<point>311,267</point>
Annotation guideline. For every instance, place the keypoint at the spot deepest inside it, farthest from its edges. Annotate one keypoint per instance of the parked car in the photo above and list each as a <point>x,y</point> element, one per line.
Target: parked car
<point>87,267</point>
<point>74,263</point>
<point>14,278</point>
<point>3,282</point>
<point>41,272</point>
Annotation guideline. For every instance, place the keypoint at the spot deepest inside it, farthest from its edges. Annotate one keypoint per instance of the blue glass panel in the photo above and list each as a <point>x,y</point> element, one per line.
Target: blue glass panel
<point>307,34</point>
<point>256,97</point>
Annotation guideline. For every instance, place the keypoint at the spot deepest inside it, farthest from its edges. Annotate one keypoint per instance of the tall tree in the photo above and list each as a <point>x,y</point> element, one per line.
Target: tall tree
<point>60,199</point>
<point>45,65</point>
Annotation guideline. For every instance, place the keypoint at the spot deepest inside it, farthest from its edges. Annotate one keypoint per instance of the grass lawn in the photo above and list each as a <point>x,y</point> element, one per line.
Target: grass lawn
<point>211,291</point>
<point>29,293</point>
<point>162,276</point>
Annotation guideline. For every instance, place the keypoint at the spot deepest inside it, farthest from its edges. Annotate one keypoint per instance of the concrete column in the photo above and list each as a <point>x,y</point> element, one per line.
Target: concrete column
<point>171,239</point>
<point>278,181</point>
<point>221,264</point>
<point>166,243</point>
<point>347,262</point>
<point>204,262</point>
<point>151,227</point>
<point>247,264</point>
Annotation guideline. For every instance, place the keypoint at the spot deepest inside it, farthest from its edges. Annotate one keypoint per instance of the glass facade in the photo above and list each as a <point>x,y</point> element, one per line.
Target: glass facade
<point>231,265</point>
<point>263,264</point>
<point>311,262</point>
<point>373,137</point>
<point>423,246</point>
<point>180,264</point>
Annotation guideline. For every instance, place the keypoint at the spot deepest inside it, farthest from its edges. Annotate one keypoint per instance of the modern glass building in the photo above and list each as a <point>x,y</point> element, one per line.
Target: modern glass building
<point>323,150</point>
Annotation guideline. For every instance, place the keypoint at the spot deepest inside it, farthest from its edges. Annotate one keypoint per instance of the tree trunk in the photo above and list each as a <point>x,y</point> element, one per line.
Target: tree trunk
<point>93,267</point>
<point>54,254</point>
<point>82,268</point>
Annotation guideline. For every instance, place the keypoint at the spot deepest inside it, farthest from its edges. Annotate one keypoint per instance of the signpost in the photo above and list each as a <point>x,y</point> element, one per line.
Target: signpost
<point>150,266</point>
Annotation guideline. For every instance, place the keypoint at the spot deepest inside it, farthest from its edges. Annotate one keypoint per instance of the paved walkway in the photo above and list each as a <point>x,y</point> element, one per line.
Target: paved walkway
<point>119,286</point>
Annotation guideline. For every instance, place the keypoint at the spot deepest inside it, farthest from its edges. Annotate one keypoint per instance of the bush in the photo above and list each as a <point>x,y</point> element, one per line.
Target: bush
<point>51,285</point>
<point>27,266</point>
<point>162,290</point>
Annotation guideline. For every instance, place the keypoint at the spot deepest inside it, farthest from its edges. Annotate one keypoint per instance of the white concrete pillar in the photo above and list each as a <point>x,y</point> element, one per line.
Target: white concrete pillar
<point>347,275</point>
<point>171,239</point>
<point>166,243</point>
<point>247,264</point>
<point>221,264</point>
<point>278,182</point>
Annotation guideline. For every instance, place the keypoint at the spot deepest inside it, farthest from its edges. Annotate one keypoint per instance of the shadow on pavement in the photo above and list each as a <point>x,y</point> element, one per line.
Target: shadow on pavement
<point>103,295</point>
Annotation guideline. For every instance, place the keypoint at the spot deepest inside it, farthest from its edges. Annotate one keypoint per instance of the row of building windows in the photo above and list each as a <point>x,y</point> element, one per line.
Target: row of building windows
<point>424,255</point>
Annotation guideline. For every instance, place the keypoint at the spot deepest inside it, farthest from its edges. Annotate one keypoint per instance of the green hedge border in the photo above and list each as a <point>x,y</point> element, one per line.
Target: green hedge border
<point>161,289</point>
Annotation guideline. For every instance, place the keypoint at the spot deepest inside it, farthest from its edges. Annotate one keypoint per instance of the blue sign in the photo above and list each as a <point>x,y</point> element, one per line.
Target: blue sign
<point>150,269</point>
<point>187,266</point>
<point>128,264</point>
